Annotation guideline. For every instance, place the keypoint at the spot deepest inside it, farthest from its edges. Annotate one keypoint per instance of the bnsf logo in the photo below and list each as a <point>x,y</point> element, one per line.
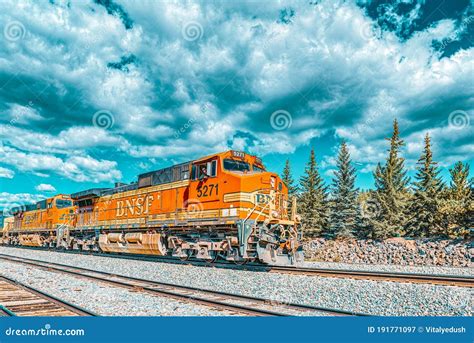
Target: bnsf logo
<point>134,206</point>
<point>263,198</point>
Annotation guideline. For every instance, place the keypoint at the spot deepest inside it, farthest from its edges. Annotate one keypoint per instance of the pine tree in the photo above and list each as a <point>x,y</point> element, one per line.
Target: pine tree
<point>425,220</point>
<point>313,199</point>
<point>344,206</point>
<point>386,212</point>
<point>457,203</point>
<point>460,186</point>
<point>287,178</point>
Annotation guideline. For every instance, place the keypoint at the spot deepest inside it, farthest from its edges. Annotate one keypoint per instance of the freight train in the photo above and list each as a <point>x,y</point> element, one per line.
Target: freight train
<point>223,206</point>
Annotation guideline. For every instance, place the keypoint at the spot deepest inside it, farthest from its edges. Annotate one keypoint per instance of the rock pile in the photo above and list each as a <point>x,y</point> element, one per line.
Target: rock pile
<point>392,251</point>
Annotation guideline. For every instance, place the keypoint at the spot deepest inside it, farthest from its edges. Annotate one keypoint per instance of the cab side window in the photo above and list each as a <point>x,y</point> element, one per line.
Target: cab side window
<point>204,170</point>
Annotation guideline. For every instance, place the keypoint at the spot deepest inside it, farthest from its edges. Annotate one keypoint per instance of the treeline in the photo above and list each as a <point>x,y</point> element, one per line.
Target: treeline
<point>396,207</point>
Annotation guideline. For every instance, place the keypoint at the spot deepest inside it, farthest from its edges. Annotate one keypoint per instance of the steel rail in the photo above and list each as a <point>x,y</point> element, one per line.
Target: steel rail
<point>51,303</point>
<point>221,300</point>
<point>436,279</point>
<point>359,274</point>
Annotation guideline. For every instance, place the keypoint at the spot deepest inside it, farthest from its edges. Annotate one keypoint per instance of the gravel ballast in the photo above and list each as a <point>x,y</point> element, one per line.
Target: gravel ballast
<point>371,297</point>
<point>100,298</point>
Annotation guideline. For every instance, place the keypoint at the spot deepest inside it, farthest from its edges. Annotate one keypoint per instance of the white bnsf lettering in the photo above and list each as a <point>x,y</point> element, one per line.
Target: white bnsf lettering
<point>139,204</point>
<point>120,208</point>
<point>149,201</point>
<point>130,203</point>
<point>134,206</point>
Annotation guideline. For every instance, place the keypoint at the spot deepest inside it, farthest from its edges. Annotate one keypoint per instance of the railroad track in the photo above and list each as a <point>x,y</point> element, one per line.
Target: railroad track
<point>18,299</point>
<point>237,304</point>
<point>446,280</point>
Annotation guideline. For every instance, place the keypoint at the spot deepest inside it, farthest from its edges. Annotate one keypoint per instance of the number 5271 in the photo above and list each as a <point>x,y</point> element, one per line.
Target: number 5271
<point>208,190</point>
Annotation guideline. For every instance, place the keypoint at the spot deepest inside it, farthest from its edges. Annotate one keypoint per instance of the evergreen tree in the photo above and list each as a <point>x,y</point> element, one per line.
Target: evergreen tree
<point>425,220</point>
<point>313,199</point>
<point>388,207</point>
<point>344,207</point>
<point>457,204</point>
<point>460,186</point>
<point>287,178</point>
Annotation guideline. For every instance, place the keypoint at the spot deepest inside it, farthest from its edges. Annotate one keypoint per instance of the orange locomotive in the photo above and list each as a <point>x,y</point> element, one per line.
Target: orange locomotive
<point>33,225</point>
<point>224,205</point>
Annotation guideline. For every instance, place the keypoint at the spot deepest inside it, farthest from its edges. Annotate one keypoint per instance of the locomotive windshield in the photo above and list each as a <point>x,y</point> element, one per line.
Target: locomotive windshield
<point>257,169</point>
<point>63,203</point>
<point>233,165</point>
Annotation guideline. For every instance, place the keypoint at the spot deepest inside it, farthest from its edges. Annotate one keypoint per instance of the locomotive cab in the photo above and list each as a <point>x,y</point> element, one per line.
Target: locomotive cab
<point>238,188</point>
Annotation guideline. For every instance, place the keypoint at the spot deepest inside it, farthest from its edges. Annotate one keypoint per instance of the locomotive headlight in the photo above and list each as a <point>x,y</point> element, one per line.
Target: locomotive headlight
<point>274,214</point>
<point>272,182</point>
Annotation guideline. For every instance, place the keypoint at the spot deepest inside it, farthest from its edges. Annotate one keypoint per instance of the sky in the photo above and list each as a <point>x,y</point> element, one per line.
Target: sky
<point>97,92</point>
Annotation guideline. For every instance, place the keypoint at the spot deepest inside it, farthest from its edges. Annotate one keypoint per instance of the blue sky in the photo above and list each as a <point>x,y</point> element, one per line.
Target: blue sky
<point>94,92</point>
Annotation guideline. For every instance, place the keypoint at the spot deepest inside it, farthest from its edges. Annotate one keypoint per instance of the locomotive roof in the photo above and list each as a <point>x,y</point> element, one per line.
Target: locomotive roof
<point>121,188</point>
<point>98,192</point>
<point>162,169</point>
<point>88,193</point>
<point>233,153</point>
<point>34,206</point>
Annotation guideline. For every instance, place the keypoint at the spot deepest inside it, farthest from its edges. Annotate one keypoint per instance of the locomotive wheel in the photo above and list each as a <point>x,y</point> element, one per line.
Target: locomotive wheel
<point>214,256</point>
<point>237,259</point>
<point>240,262</point>
<point>189,253</point>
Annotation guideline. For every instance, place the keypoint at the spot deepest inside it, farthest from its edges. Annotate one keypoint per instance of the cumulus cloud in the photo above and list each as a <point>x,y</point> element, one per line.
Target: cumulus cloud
<point>44,187</point>
<point>77,168</point>
<point>6,173</point>
<point>338,68</point>
<point>10,200</point>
